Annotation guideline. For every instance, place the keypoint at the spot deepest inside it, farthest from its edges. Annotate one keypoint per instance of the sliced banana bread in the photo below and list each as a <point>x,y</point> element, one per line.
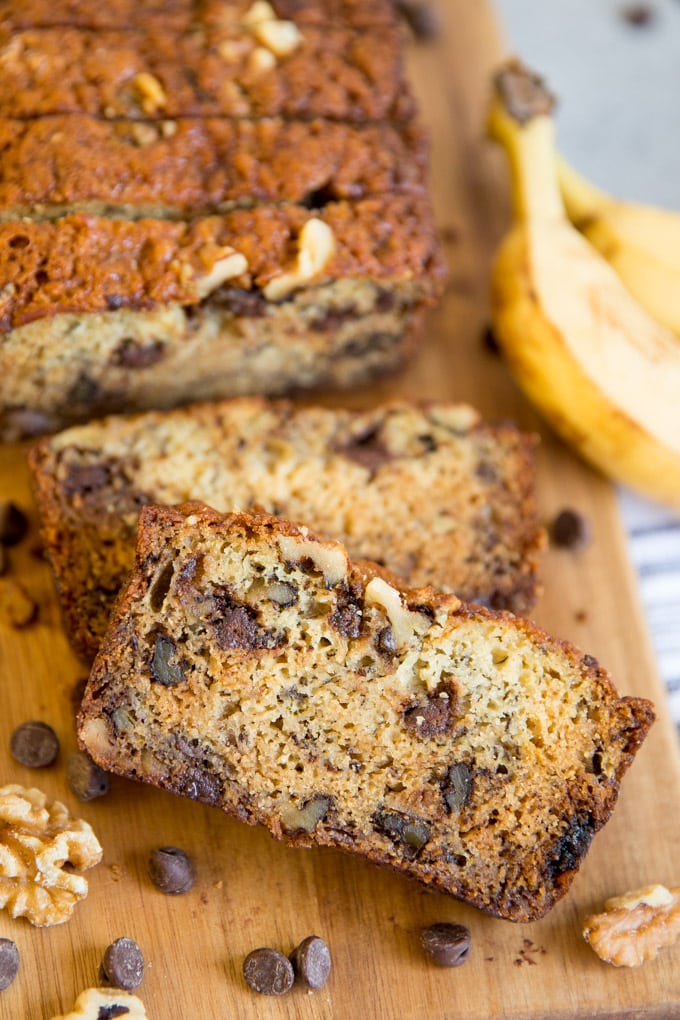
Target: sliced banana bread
<point>432,492</point>
<point>102,315</point>
<point>74,163</point>
<point>251,666</point>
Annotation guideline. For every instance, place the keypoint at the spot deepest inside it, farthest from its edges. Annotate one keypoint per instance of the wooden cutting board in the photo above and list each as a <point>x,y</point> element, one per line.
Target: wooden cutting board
<point>251,891</point>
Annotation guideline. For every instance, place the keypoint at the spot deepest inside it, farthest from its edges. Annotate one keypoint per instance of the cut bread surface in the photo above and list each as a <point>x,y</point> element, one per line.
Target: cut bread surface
<point>430,491</point>
<point>250,665</point>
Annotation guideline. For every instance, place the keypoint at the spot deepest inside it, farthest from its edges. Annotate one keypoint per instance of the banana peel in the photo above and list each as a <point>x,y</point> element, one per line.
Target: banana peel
<point>641,242</point>
<point>599,368</point>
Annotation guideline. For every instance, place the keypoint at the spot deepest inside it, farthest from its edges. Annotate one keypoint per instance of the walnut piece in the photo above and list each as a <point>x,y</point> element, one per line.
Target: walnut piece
<point>406,624</point>
<point>634,927</point>
<point>222,265</point>
<point>36,840</point>
<point>95,1003</point>
<point>276,35</point>
<point>149,92</point>
<point>316,246</point>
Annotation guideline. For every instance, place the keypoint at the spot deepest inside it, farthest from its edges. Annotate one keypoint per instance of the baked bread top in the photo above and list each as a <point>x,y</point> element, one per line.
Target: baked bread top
<point>86,263</point>
<point>431,491</point>
<point>251,666</point>
<point>156,73</point>
<point>184,15</point>
<point>74,163</point>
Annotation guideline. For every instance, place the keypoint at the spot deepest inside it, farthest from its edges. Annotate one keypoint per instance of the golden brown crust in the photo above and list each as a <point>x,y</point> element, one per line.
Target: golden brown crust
<point>156,73</point>
<point>77,163</point>
<point>182,15</point>
<point>348,471</point>
<point>86,263</point>
<point>462,747</point>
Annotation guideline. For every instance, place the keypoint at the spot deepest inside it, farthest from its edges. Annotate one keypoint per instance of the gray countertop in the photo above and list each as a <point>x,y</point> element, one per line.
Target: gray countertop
<point>618,122</point>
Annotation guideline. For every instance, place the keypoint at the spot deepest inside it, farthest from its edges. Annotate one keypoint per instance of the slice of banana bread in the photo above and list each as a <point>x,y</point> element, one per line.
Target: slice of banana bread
<point>103,315</point>
<point>158,73</point>
<point>251,666</point>
<point>432,492</point>
<point>172,168</point>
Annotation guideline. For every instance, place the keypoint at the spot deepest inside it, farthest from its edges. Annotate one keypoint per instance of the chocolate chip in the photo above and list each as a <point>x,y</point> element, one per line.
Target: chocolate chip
<point>367,449</point>
<point>171,870</point>
<point>129,354</point>
<point>86,779</point>
<point>448,945</point>
<point>386,641</point>
<point>34,744</point>
<point>570,530</point>
<point>110,1012</point>
<point>9,963</point>
<point>122,965</point>
<point>164,665</point>
<point>489,341</point>
<point>268,972</point>
<point>13,523</point>
<point>638,14</point>
<point>434,716</point>
<point>312,961</point>
<point>237,625</point>
<point>421,17</point>
<point>241,303</point>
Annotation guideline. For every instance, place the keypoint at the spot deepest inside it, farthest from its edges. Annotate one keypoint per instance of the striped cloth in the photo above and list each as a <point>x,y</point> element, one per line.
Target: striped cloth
<point>654,543</point>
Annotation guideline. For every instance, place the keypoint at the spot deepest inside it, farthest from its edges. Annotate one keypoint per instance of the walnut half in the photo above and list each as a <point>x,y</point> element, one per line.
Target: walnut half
<point>36,840</point>
<point>635,926</point>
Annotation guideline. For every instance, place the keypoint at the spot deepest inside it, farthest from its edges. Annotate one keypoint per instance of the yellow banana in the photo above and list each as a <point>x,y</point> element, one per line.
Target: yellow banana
<point>641,242</point>
<point>601,370</point>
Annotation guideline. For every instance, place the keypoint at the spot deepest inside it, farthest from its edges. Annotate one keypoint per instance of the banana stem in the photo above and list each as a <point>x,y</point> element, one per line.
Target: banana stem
<point>530,148</point>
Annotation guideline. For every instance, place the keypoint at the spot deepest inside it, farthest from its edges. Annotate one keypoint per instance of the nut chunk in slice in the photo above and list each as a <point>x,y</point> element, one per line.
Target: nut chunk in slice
<point>462,747</point>
<point>36,840</point>
<point>102,1003</point>
<point>634,927</point>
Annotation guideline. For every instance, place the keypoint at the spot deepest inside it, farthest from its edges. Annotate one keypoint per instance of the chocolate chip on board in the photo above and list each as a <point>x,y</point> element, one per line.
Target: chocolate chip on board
<point>312,961</point>
<point>448,945</point>
<point>13,523</point>
<point>268,972</point>
<point>9,963</point>
<point>122,965</point>
<point>421,17</point>
<point>86,779</point>
<point>570,529</point>
<point>34,744</point>
<point>171,870</point>
<point>638,14</point>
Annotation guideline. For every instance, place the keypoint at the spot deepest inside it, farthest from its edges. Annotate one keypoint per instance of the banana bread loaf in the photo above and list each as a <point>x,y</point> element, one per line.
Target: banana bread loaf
<point>432,492</point>
<point>251,666</point>
<point>103,315</point>
<point>157,73</point>
<point>173,168</point>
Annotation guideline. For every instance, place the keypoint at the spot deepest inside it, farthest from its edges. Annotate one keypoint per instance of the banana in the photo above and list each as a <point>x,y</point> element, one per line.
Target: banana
<point>641,242</point>
<point>598,367</point>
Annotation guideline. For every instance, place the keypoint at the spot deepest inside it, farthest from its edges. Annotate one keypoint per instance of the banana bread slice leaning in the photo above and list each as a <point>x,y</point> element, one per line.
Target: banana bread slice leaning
<point>251,666</point>
<point>431,491</point>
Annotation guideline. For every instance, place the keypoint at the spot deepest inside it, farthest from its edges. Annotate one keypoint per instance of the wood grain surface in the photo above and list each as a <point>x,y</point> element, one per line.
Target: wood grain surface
<point>251,891</point>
